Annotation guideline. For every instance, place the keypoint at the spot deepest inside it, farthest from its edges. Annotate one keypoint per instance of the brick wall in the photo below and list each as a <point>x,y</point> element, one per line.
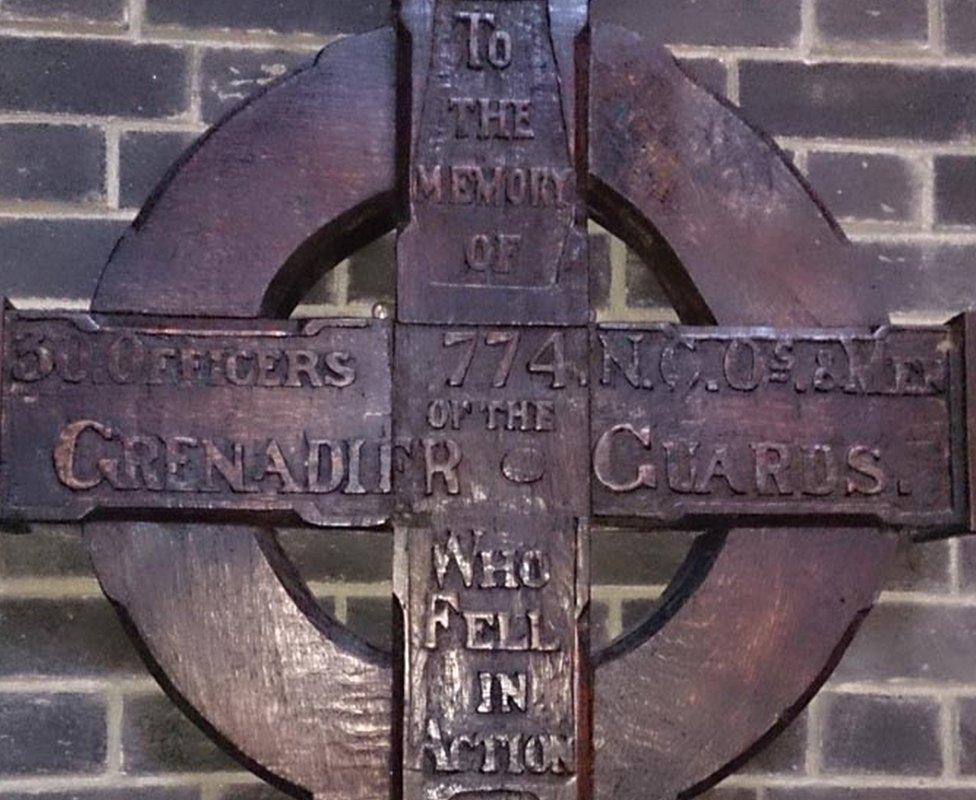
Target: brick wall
<point>874,99</point>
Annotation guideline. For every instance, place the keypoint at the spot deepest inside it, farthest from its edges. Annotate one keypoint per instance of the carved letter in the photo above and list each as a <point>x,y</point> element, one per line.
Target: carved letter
<point>446,468</point>
<point>64,453</point>
<point>603,458</point>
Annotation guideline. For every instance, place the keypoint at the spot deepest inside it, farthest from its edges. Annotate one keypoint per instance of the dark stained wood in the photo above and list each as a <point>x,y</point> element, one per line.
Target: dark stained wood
<point>292,183</point>
<point>496,233</point>
<point>666,152</point>
<point>493,652</point>
<point>285,419</point>
<point>772,613</point>
<point>490,441</point>
<point>311,166</point>
<point>235,636</point>
<point>699,426</point>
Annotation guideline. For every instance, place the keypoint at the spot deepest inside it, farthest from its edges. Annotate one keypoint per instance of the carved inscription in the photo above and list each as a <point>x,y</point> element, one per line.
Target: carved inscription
<point>496,215</point>
<point>492,657</point>
<point>110,414</point>
<point>494,412</point>
<point>691,422</point>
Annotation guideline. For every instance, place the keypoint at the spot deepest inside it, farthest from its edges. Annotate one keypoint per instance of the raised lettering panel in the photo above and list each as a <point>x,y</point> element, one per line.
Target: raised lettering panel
<point>130,415</point>
<point>492,656</point>
<point>496,234</point>
<point>491,417</point>
<point>698,424</point>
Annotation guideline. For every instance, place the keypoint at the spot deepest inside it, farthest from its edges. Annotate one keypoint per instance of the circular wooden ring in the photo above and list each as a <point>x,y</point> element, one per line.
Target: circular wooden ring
<point>293,182</point>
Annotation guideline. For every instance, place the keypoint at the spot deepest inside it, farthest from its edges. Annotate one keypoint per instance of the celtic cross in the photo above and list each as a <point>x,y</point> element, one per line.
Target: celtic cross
<point>488,423</point>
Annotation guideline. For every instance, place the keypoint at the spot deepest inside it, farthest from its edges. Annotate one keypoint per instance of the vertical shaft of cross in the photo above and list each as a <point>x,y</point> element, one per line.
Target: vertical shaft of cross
<point>496,232</point>
<point>491,393</point>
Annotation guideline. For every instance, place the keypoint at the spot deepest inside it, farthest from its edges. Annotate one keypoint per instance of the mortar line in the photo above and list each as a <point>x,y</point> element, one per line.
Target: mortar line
<point>867,232</point>
<point>49,588</point>
<point>902,687</point>
<point>808,29</point>
<point>927,165</point>
<point>617,299</point>
<point>893,146</point>
<point>341,608</point>
<point>194,89</point>
<point>177,124</point>
<point>615,618</point>
<point>936,23</point>
<point>813,761</point>
<point>50,211</point>
<point>956,599</point>
<point>853,781</point>
<point>113,167</point>
<point>949,738</point>
<point>955,566</point>
<point>73,782</point>
<point>114,709</point>
<point>137,16</point>
<point>732,84</point>
<point>210,792</point>
<point>173,36</point>
<point>54,684</point>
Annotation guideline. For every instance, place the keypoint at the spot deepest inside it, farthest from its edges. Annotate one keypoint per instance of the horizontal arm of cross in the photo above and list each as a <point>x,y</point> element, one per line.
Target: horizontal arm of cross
<point>134,417</point>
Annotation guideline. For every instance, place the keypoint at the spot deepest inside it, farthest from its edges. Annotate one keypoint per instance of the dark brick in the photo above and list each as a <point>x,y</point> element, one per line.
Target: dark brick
<point>639,558</point>
<point>864,185</point>
<point>938,281</point>
<point>920,567</point>
<point>599,631</point>
<point>721,793</point>
<point>881,735</point>
<point>337,555</point>
<point>967,563</point>
<point>54,258</point>
<point>52,162</point>
<point>905,641</point>
<point>859,100</point>
<point>709,72</point>
<point>643,288</point>
<point>282,16</point>
<point>252,792</point>
<point>92,76</point>
<point>231,76</point>
<point>51,734</point>
<point>48,551</point>
<point>129,793</point>
<point>836,793</point>
<point>785,755</point>
<point>158,737</point>
<point>744,23</point>
<point>372,272</point>
<point>967,736</point>
<point>955,190</point>
<point>144,159</point>
<point>63,637</point>
<point>864,21</point>
<point>372,619</point>
<point>635,612</point>
<point>960,25</point>
<point>325,291</point>
<point>90,11</point>
<point>600,270</point>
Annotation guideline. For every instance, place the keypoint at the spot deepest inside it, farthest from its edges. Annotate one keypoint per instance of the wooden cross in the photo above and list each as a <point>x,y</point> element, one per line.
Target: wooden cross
<point>491,422</point>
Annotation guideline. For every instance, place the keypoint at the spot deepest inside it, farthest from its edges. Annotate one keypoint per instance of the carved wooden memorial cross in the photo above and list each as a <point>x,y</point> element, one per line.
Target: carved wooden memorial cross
<point>491,422</point>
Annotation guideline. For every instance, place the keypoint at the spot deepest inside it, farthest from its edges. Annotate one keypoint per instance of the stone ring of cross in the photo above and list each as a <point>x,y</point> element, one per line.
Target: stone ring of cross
<point>489,421</point>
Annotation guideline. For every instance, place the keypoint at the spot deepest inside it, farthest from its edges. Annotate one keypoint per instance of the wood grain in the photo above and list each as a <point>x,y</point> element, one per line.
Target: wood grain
<point>773,613</point>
